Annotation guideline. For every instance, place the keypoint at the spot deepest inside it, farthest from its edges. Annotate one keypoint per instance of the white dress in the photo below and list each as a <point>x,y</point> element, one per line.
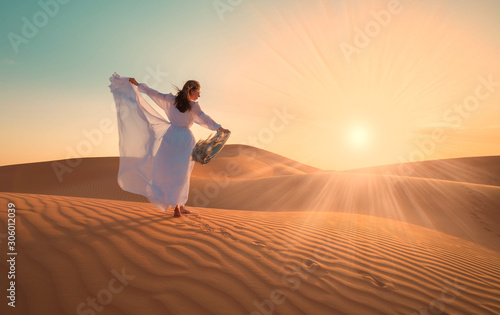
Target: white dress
<point>155,154</point>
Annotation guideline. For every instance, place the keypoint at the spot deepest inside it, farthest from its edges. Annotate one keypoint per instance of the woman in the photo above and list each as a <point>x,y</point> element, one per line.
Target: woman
<point>155,154</point>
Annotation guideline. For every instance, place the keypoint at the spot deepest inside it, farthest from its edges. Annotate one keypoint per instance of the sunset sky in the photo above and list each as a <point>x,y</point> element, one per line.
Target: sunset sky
<point>333,84</point>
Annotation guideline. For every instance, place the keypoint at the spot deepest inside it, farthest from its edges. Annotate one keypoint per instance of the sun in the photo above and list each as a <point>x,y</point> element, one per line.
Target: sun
<point>358,136</point>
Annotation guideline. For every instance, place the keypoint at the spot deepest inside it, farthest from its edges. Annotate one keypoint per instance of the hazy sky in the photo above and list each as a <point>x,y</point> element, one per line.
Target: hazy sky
<point>333,84</point>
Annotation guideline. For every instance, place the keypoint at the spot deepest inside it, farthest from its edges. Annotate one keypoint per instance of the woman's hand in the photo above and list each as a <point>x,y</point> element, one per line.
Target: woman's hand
<point>223,130</point>
<point>133,81</point>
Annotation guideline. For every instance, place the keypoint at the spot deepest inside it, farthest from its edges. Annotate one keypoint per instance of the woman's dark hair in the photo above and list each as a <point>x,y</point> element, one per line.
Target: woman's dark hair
<point>181,99</point>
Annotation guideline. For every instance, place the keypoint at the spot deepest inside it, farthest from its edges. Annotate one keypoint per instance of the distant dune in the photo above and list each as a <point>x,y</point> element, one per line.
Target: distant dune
<point>97,177</point>
<point>268,236</point>
<point>479,170</point>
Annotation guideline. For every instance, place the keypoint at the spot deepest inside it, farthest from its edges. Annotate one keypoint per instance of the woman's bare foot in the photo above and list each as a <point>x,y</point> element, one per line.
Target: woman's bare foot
<point>184,210</point>
<point>177,212</point>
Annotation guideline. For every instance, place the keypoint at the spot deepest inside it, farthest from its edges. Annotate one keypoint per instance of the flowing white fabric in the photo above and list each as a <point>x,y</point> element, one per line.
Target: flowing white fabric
<point>155,153</point>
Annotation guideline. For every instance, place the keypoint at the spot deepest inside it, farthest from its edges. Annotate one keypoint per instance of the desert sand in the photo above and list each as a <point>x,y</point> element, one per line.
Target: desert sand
<point>268,235</point>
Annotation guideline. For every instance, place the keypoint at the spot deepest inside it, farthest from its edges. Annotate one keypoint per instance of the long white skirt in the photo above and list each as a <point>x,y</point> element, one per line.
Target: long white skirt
<point>155,155</point>
<point>172,167</point>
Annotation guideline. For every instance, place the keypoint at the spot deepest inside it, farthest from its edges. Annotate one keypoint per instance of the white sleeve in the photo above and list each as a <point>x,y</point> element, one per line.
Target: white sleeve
<point>203,119</point>
<point>159,98</point>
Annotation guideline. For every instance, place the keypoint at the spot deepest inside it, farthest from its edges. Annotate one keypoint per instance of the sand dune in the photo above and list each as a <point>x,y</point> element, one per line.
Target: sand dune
<point>96,177</point>
<point>91,177</point>
<point>251,162</point>
<point>471,212</point>
<point>269,236</point>
<point>237,262</point>
<point>479,170</point>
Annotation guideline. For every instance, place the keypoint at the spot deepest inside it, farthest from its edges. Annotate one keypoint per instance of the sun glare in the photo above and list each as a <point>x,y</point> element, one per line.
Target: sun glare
<point>378,97</point>
<point>358,136</point>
